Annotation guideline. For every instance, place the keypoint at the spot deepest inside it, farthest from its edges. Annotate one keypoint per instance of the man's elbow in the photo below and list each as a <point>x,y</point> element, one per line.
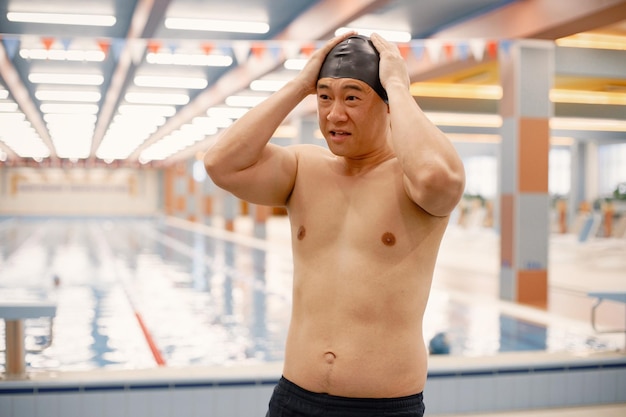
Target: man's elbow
<point>441,192</point>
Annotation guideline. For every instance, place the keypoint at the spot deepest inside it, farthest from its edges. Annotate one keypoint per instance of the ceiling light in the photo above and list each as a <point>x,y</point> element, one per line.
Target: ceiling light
<point>390,35</point>
<point>62,55</point>
<point>587,97</point>
<point>8,107</point>
<point>593,40</point>
<point>267,85</point>
<point>156,98</point>
<point>211,25</point>
<point>227,112</point>
<point>3,93</point>
<point>66,78</point>
<point>166,58</point>
<point>57,95</point>
<point>450,90</point>
<point>295,64</point>
<point>146,110</point>
<point>244,101</point>
<point>69,108</point>
<point>604,125</point>
<point>465,119</point>
<point>170,82</point>
<point>62,19</point>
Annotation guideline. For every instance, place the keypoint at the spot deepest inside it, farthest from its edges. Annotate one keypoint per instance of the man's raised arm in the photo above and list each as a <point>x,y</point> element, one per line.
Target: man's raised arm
<point>434,173</point>
<point>243,162</point>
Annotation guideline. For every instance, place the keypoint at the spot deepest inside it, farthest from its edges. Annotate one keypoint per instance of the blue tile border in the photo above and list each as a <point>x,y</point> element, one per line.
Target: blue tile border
<point>80,387</point>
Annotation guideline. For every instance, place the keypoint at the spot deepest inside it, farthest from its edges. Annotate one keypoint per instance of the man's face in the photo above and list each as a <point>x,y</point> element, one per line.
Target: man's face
<point>352,116</point>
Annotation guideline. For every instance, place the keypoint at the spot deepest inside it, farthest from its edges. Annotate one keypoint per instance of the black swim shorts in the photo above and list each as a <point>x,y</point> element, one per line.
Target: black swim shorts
<point>289,400</point>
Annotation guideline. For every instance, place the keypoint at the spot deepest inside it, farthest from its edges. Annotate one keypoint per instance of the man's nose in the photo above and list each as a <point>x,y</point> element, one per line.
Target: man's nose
<point>337,112</point>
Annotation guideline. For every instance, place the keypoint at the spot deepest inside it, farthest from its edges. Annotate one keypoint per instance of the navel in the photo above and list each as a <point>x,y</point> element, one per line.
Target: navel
<point>388,239</point>
<point>330,357</point>
<point>301,233</point>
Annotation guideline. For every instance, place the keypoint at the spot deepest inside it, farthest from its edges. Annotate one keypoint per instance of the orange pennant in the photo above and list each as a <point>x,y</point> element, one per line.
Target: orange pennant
<point>448,49</point>
<point>47,43</point>
<point>492,49</point>
<point>257,49</point>
<point>154,46</point>
<point>104,46</point>
<point>207,48</point>
<point>404,49</point>
<point>307,49</point>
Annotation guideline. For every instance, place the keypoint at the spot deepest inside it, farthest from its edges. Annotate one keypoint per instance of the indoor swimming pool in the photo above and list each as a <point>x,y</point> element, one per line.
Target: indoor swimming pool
<point>143,293</point>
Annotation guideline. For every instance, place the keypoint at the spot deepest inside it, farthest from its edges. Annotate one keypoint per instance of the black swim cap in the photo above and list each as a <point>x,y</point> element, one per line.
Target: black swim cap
<point>355,57</point>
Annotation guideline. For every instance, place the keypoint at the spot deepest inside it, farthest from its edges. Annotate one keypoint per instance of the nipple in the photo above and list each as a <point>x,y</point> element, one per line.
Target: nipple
<point>388,239</point>
<point>301,233</point>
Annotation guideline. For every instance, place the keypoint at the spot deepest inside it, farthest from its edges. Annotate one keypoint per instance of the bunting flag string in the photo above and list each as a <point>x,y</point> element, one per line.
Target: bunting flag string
<point>434,50</point>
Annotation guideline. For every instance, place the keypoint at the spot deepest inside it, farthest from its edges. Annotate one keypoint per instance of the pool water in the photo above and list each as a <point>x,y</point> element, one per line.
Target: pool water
<point>139,293</point>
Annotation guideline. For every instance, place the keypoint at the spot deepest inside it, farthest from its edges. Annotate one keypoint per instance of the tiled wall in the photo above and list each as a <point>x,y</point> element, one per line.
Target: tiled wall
<point>462,390</point>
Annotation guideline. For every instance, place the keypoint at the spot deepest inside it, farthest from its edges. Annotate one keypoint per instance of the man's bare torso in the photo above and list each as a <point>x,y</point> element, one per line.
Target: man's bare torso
<point>364,255</point>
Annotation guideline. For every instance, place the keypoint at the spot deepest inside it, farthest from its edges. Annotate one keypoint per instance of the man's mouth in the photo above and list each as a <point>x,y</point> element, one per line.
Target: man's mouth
<point>339,133</point>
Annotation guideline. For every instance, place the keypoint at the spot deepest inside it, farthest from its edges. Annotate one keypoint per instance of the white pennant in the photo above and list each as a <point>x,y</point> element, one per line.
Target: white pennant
<point>241,50</point>
<point>477,46</point>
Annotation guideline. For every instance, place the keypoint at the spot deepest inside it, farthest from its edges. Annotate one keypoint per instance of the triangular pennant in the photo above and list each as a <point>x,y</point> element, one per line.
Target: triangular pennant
<point>418,50</point>
<point>274,50</point>
<point>292,49</point>
<point>477,46</point>
<point>258,49</point>
<point>448,49</point>
<point>241,49</point>
<point>137,49</point>
<point>206,47</point>
<point>462,49</point>
<point>492,49</point>
<point>505,46</point>
<point>154,46</point>
<point>47,42</point>
<point>433,47</point>
<point>172,47</point>
<point>65,43</point>
<point>307,49</point>
<point>117,46</point>
<point>104,46</point>
<point>11,45</point>
<point>404,49</point>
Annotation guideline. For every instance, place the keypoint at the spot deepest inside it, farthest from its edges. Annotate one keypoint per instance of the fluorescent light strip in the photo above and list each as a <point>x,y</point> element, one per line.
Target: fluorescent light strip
<point>465,119</point>
<point>156,98</point>
<point>593,41</point>
<point>62,19</point>
<point>165,58</point>
<point>244,101</point>
<point>8,107</point>
<point>69,108</point>
<point>390,35</point>
<point>81,96</point>
<point>267,85</point>
<point>587,97</point>
<point>4,93</point>
<point>211,25</point>
<point>74,79</point>
<point>170,82</point>
<point>450,90</point>
<point>62,55</point>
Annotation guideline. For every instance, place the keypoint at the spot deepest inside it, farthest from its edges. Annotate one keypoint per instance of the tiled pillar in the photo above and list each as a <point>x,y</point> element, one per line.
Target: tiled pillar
<point>526,72</point>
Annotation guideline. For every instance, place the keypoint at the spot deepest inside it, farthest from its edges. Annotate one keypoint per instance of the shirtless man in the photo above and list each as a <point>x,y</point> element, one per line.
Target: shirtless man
<point>367,216</point>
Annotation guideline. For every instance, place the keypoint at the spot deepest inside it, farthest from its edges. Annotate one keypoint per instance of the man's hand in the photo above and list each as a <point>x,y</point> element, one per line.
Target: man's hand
<point>392,67</point>
<point>308,76</point>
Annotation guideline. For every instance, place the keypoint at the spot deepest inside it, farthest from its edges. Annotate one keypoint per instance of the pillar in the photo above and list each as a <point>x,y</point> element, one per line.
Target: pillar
<point>526,72</point>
